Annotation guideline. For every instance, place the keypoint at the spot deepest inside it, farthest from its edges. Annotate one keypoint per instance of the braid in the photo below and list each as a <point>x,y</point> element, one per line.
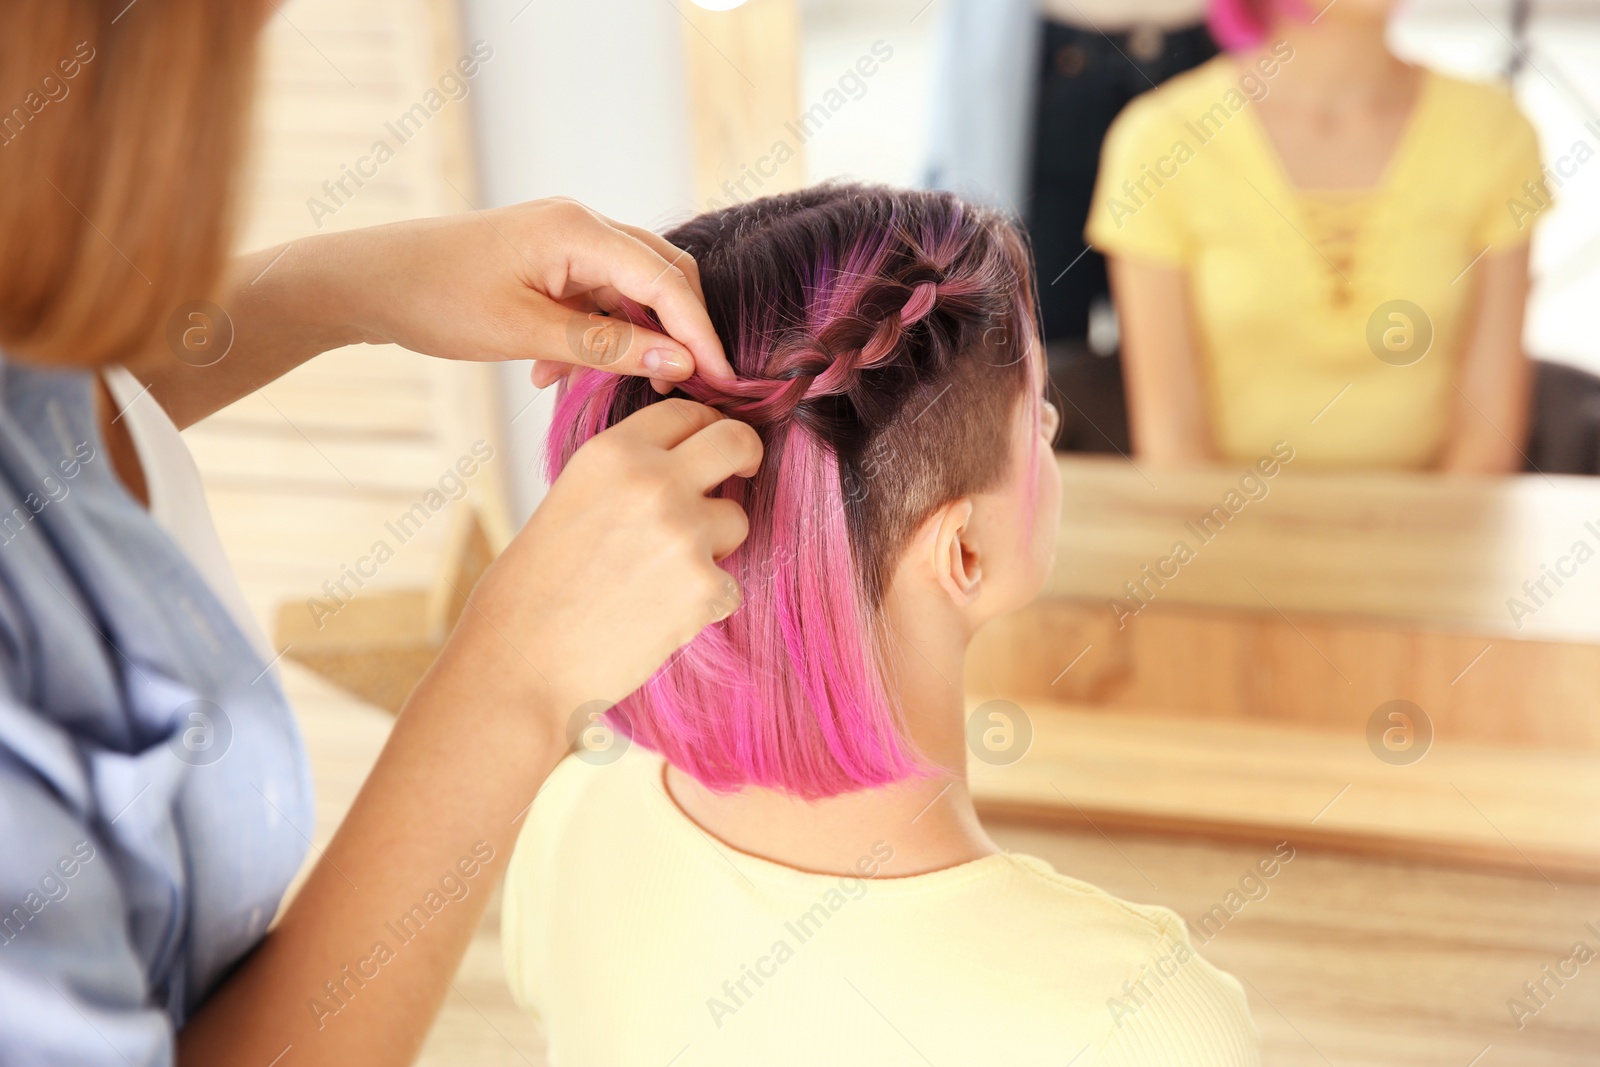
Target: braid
<point>815,378</point>
<point>836,320</point>
<point>830,363</point>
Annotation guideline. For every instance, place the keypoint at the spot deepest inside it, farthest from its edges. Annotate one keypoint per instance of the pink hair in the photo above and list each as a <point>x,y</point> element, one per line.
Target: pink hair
<point>1241,24</point>
<point>849,313</point>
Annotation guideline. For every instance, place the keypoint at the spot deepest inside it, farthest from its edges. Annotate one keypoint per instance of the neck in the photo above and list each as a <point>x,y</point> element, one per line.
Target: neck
<point>928,822</point>
<point>1344,56</point>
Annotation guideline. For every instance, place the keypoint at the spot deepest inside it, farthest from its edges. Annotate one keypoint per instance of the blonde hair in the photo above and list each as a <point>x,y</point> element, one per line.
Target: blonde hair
<point>121,131</point>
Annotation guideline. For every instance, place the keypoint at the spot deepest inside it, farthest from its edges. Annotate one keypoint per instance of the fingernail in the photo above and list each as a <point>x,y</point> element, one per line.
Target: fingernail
<point>665,360</point>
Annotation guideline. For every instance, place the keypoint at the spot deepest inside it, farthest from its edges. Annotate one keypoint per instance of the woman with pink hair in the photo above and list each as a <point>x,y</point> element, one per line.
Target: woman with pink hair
<point>1313,240</point>
<point>775,860</point>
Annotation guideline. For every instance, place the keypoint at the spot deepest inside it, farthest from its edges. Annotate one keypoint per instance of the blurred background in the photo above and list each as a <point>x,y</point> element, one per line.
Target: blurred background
<point>1391,669</point>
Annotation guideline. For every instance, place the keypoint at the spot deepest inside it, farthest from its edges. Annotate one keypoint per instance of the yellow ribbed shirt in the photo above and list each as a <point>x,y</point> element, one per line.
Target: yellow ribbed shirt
<point>1290,288</point>
<point>637,939</point>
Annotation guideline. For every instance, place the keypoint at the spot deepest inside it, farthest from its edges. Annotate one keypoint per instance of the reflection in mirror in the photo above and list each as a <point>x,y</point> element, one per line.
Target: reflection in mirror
<point>1287,281</point>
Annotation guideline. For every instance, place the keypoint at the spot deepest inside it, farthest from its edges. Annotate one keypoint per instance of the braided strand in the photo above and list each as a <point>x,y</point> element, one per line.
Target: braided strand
<point>831,363</point>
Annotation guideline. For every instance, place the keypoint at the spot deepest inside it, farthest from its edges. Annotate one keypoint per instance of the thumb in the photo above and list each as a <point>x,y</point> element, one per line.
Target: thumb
<point>562,334</point>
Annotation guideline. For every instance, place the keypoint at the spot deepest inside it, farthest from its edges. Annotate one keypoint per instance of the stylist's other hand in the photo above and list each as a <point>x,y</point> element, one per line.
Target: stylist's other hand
<point>617,569</point>
<point>527,282</point>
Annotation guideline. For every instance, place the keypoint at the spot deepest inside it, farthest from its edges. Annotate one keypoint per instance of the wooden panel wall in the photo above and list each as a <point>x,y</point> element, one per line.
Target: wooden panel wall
<point>744,96</point>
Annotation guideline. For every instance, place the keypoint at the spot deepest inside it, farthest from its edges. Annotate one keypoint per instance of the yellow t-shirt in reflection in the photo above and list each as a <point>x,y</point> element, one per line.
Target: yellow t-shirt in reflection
<point>1303,297</point>
<point>636,938</point>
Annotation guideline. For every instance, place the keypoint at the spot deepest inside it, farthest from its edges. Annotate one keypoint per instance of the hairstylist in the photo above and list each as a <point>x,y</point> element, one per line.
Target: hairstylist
<point>137,888</point>
<point>1312,241</point>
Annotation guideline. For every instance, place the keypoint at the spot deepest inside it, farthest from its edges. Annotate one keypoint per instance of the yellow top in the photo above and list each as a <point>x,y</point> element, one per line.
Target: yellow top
<point>636,938</point>
<point>1303,299</point>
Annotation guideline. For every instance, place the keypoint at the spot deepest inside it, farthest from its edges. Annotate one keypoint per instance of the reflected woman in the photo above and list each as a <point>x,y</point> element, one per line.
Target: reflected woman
<point>1315,241</point>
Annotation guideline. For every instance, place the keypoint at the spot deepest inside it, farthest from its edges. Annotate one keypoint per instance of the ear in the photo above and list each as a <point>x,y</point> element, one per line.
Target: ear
<point>954,554</point>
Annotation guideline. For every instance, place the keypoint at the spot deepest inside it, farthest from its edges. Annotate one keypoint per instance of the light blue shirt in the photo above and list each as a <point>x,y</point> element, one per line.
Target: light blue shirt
<point>155,799</point>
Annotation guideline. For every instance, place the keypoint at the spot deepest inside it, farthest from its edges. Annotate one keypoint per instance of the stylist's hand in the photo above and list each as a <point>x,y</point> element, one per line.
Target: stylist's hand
<point>617,569</point>
<point>525,282</point>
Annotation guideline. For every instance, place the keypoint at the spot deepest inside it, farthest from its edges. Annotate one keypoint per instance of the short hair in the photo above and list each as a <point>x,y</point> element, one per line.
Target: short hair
<point>883,340</point>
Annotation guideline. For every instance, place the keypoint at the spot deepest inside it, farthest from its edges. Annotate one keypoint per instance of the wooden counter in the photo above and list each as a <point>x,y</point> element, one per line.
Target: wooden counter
<point>1422,550</point>
<point>1308,602</point>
